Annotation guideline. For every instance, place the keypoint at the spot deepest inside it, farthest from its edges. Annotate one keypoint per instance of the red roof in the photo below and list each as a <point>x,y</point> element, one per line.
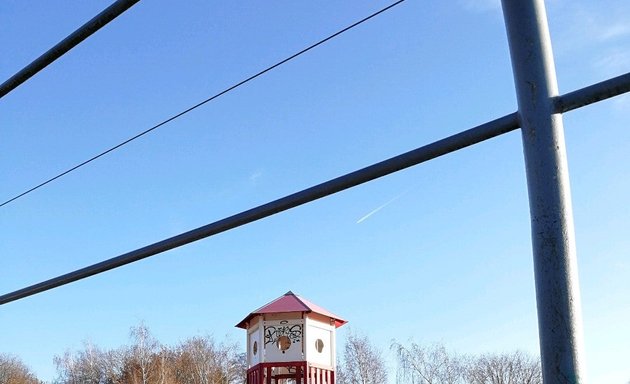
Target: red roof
<point>290,302</point>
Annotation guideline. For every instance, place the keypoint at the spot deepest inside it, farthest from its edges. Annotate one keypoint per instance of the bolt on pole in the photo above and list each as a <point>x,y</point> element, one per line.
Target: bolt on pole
<point>553,238</point>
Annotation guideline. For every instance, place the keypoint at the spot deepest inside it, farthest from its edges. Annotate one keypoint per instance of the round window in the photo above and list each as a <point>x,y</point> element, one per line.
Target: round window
<point>283,343</point>
<point>255,348</point>
<point>319,345</point>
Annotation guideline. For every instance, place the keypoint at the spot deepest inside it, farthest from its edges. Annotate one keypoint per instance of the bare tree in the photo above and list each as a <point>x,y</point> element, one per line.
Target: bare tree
<point>111,365</point>
<point>515,368</point>
<point>141,359</point>
<point>14,371</point>
<point>202,361</point>
<point>234,363</point>
<point>362,363</point>
<point>89,365</point>
<point>164,363</point>
<point>431,364</point>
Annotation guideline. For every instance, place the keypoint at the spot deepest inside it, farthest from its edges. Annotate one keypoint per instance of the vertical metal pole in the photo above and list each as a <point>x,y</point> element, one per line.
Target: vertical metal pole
<point>555,264</point>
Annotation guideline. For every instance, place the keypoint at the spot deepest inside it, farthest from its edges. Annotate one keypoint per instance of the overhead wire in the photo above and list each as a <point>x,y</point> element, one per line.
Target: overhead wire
<point>209,99</point>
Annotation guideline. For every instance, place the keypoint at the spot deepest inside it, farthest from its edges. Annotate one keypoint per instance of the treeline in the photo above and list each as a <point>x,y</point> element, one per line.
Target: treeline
<point>363,363</point>
<point>197,360</point>
<point>202,360</point>
<point>435,364</point>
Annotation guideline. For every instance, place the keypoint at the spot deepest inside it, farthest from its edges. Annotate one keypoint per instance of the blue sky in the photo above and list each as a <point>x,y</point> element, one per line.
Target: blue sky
<point>447,258</point>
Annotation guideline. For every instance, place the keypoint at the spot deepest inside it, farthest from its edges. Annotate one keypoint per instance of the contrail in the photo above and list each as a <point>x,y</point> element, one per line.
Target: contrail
<point>382,206</point>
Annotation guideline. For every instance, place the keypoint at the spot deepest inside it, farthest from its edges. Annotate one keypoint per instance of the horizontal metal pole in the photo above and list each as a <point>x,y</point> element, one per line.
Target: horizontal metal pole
<point>76,37</point>
<point>593,93</point>
<point>441,147</point>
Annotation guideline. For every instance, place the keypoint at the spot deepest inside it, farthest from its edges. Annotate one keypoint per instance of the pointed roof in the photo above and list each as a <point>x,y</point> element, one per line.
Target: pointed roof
<point>290,302</point>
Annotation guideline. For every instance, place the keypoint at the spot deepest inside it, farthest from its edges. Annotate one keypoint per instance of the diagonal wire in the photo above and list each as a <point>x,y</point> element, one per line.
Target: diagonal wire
<point>242,82</point>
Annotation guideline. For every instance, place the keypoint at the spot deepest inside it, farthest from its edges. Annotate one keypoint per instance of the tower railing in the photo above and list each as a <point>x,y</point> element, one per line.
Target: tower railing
<point>292,372</point>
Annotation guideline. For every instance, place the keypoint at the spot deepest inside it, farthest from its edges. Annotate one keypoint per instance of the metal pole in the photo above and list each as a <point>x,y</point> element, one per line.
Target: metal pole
<point>449,144</point>
<point>76,37</point>
<point>593,93</point>
<point>553,242</point>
